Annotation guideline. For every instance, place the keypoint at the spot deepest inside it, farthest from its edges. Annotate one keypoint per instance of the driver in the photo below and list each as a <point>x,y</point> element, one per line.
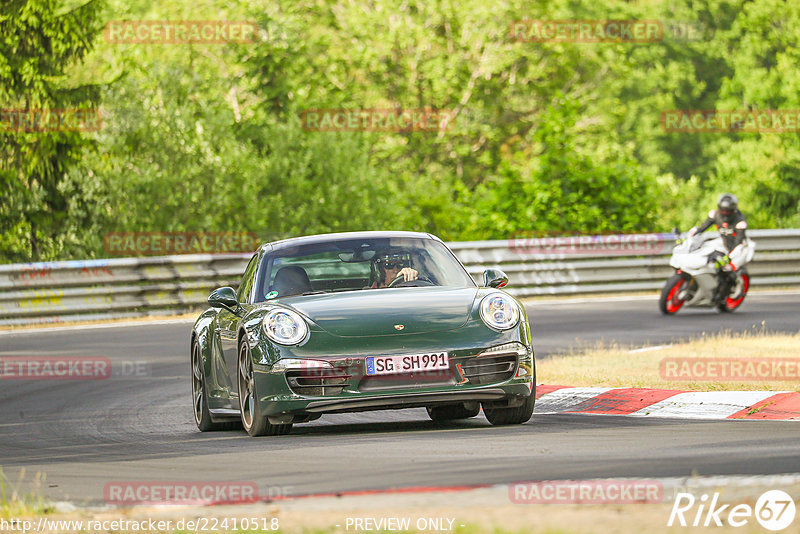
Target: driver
<point>392,266</point>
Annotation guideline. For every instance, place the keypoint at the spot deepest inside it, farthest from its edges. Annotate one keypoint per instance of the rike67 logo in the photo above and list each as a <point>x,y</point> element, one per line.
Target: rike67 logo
<point>774,510</point>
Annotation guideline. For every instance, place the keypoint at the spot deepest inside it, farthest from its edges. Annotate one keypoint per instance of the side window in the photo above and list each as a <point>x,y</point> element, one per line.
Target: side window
<point>245,288</point>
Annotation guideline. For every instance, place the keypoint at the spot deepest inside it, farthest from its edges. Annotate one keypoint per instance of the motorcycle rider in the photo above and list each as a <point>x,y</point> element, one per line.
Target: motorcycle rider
<point>732,227</point>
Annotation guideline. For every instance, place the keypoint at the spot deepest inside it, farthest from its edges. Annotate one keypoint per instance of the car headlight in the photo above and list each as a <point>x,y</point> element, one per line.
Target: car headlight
<point>285,327</point>
<point>499,311</point>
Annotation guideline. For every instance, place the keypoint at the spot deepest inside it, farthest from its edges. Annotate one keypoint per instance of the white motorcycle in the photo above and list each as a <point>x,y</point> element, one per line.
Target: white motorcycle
<point>697,282</point>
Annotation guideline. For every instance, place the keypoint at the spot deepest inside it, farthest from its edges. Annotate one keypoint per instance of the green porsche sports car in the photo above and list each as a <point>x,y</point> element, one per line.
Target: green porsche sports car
<point>360,321</point>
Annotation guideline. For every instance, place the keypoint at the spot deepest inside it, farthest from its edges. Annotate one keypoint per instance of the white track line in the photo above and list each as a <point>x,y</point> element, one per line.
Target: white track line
<point>526,300</point>
<point>632,298</point>
<point>648,349</point>
<point>116,324</point>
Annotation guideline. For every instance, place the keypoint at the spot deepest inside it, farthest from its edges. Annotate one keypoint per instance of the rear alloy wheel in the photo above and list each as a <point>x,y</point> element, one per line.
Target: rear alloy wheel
<point>737,294</point>
<point>671,301</point>
<point>254,423</point>
<point>510,416</point>
<point>202,417</point>
<point>450,412</point>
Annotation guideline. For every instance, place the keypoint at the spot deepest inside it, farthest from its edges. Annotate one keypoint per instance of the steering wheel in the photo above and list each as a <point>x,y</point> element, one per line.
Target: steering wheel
<point>402,282</point>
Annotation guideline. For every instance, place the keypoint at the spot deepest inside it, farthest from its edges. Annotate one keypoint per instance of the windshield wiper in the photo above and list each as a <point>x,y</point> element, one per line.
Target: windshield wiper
<point>313,293</point>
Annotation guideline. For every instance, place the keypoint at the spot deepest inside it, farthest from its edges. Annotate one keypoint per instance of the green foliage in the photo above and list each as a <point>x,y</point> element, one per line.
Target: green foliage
<point>37,44</point>
<point>559,188</point>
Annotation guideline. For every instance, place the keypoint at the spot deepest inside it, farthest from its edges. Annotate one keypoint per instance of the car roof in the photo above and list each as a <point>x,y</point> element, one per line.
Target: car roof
<point>342,236</point>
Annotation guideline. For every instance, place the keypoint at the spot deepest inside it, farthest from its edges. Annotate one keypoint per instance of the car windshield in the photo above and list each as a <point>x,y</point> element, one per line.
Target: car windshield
<point>356,265</point>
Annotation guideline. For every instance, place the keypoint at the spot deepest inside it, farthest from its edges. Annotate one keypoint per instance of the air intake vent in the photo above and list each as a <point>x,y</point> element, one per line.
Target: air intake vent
<point>316,382</point>
<point>489,369</point>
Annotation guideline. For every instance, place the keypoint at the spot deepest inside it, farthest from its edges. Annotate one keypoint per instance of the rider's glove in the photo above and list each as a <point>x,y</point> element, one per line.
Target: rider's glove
<point>722,261</point>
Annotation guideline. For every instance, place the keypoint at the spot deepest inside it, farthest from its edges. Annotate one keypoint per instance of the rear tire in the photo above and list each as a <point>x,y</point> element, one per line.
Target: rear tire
<point>253,421</point>
<point>669,303</point>
<point>731,304</point>
<point>451,412</point>
<point>511,416</point>
<point>202,417</point>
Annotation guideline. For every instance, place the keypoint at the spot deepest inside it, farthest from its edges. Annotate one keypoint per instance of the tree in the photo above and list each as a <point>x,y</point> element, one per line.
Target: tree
<point>559,188</point>
<point>39,41</point>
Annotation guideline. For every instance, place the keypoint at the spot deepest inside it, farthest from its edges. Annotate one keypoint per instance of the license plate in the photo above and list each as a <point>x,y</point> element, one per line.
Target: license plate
<point>406,363</point>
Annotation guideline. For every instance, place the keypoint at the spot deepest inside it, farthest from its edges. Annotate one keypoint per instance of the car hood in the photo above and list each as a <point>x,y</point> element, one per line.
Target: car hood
<point>383,312</point>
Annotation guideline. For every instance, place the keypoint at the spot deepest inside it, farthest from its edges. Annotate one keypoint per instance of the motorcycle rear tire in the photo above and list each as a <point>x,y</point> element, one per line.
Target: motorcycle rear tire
<point>730,305</point>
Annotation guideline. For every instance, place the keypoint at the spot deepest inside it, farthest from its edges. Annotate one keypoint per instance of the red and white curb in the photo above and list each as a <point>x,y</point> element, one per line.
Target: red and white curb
<point>639,402</point>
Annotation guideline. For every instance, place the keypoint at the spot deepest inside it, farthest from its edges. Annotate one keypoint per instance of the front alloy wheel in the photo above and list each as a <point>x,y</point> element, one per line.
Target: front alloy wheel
<point>254,423</point>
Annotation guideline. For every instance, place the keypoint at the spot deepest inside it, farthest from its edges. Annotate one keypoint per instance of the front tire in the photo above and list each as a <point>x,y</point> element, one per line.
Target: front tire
<point>511,416</point>
<point>253,421</point>
<point>451,412</point>
<point>669,303</point>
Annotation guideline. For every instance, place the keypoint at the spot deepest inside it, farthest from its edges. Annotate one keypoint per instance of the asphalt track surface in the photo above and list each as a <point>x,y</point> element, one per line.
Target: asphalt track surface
<point>75,437</point>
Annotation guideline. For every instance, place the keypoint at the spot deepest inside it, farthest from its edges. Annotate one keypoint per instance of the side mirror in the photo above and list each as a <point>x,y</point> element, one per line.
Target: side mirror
<point>223,297</point>
<point>494,278</point>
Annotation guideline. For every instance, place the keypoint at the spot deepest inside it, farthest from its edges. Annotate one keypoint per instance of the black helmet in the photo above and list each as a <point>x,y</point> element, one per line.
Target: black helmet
<point>727,204</point>
<point>389,259</point>
<point>393,259</point>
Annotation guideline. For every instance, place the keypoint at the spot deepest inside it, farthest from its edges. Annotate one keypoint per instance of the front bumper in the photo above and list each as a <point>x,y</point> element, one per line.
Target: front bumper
<point>482,368</point>
<point>482,375</point>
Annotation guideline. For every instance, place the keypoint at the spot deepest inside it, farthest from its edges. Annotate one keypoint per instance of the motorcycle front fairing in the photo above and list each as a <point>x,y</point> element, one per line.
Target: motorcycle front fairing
<point>691,256</point>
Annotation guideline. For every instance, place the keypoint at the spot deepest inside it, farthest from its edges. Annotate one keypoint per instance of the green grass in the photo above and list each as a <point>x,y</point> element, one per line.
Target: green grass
<point>15,504</point>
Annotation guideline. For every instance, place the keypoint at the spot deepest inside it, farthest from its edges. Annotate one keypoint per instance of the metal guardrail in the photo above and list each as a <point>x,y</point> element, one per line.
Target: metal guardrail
<point>603,264</point>
<point>53,292</point>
